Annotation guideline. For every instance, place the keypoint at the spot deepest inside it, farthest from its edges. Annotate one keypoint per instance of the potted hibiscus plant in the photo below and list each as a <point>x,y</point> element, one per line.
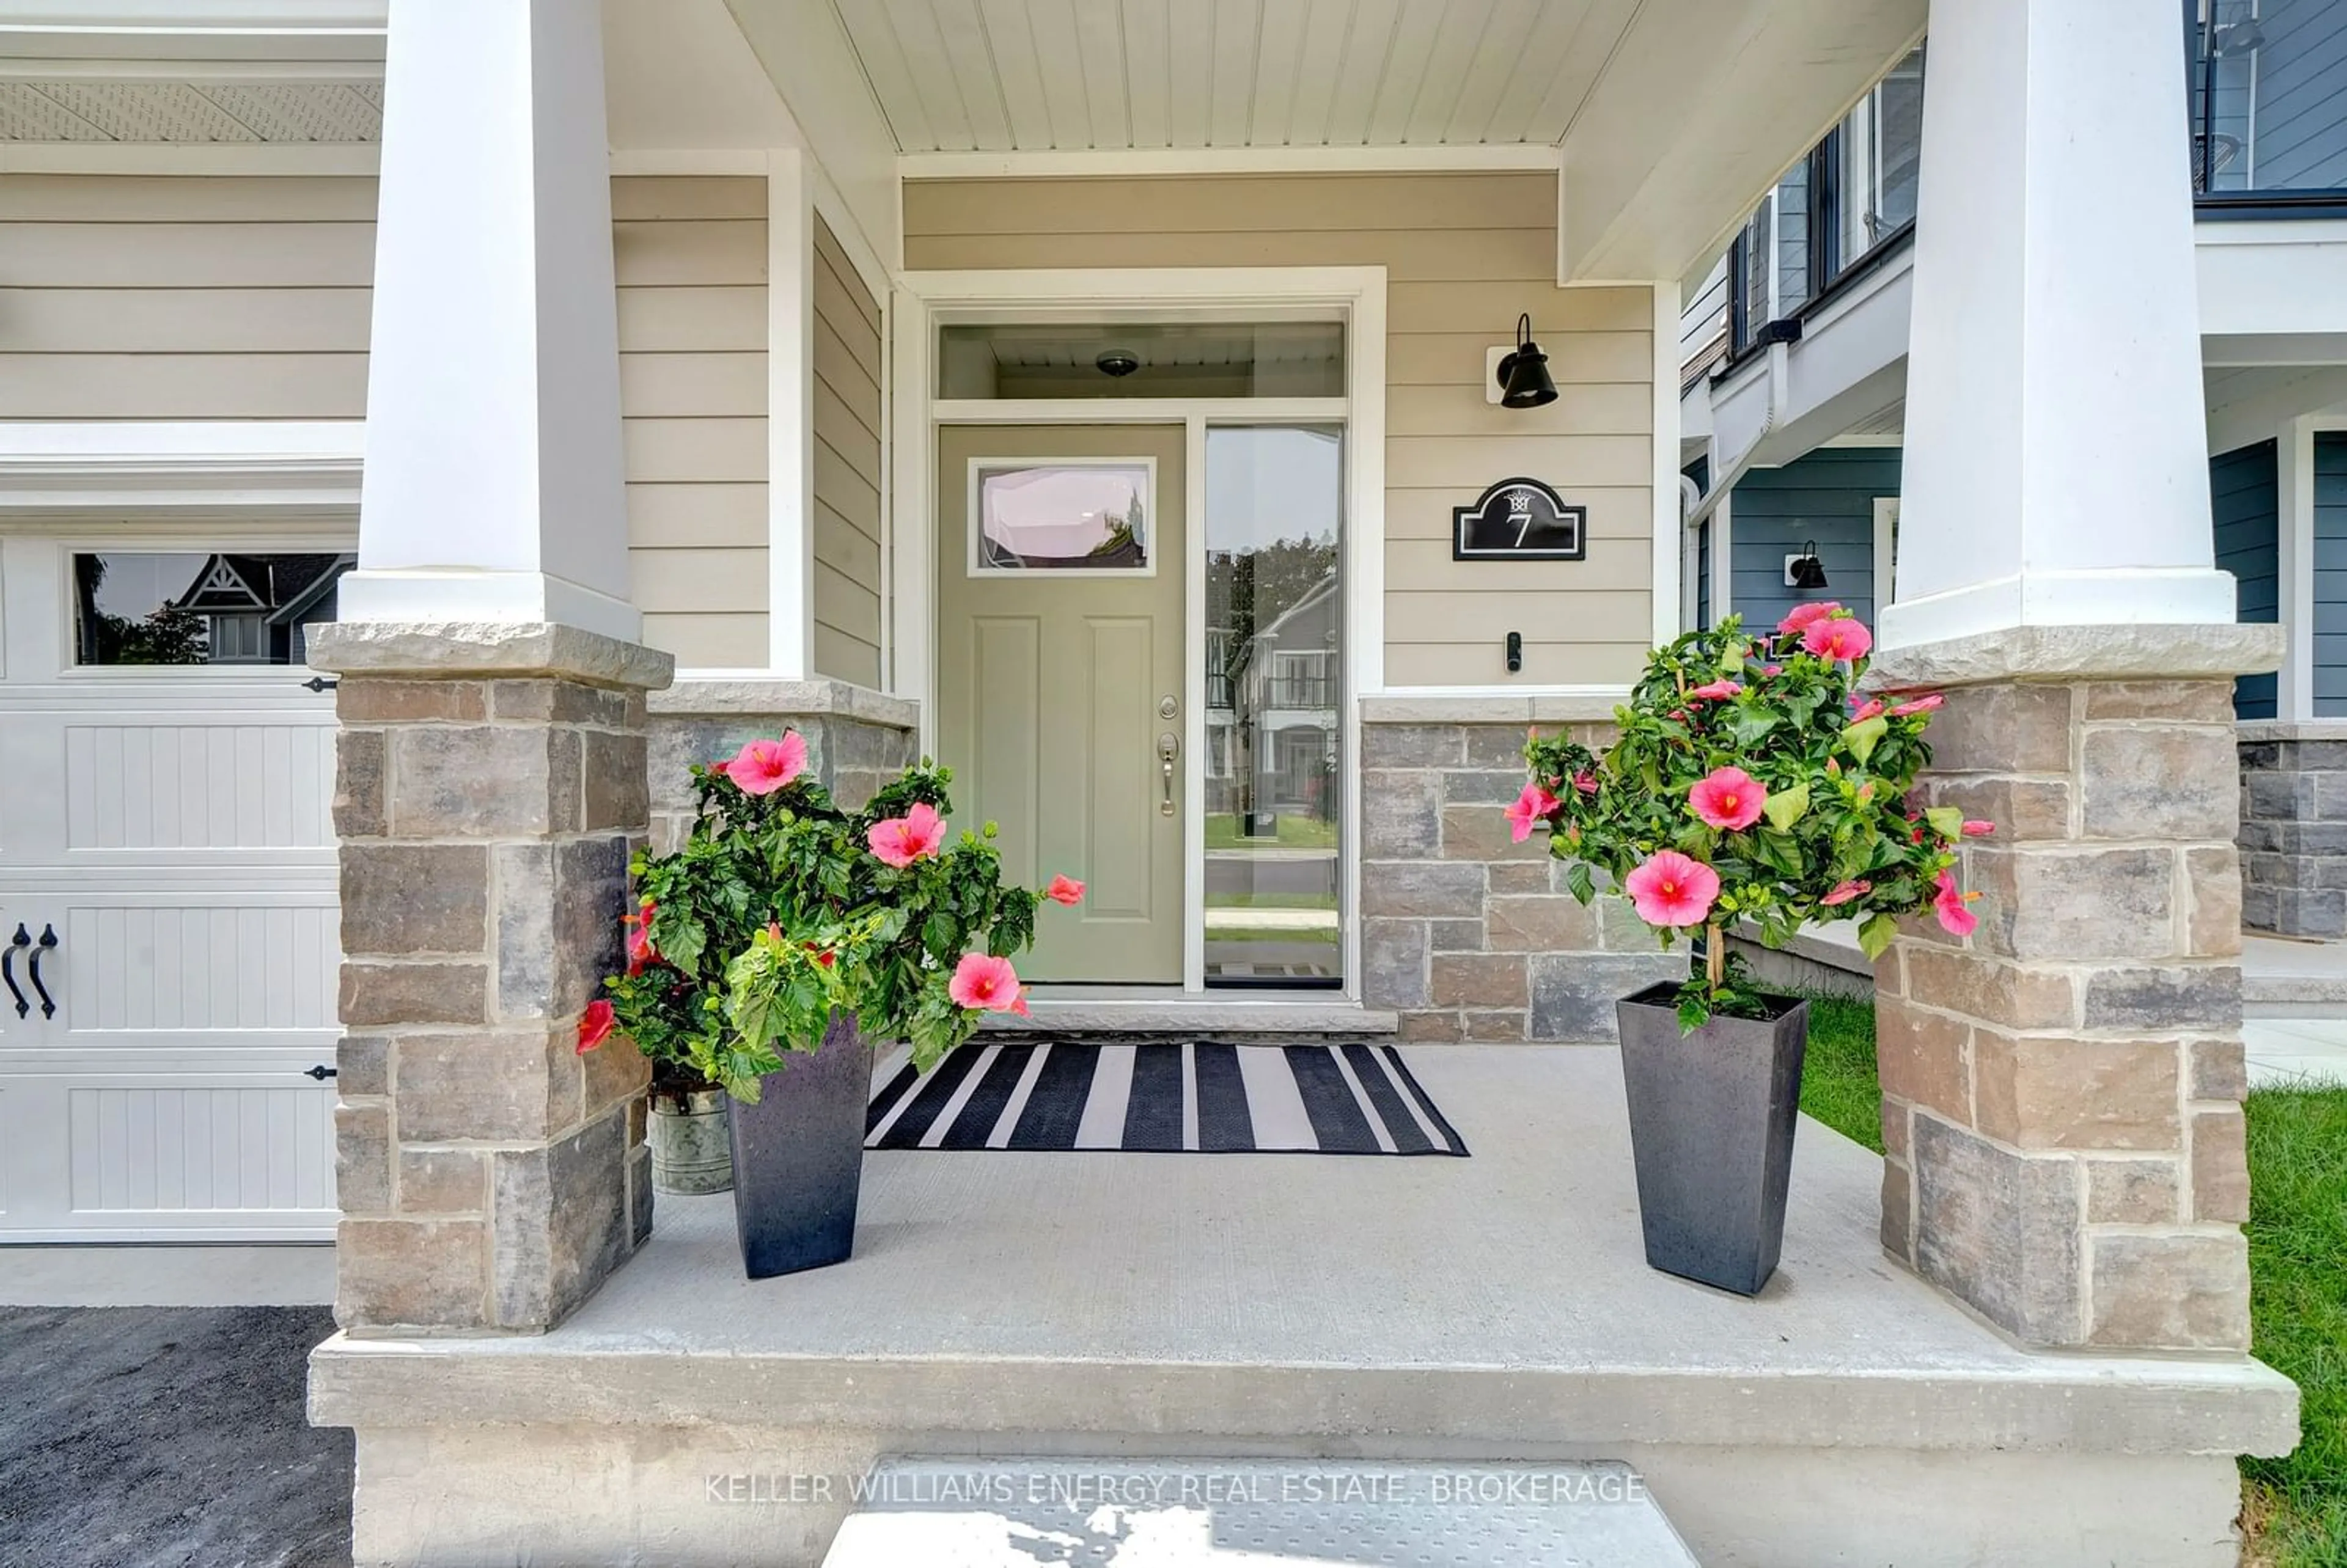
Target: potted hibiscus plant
<point>785,936</point>
<point>1752,781</point>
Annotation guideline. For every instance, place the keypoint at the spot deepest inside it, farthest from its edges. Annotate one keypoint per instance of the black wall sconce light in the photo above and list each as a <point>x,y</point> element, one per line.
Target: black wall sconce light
<point>1524,374</point>
<point>1805,571</point>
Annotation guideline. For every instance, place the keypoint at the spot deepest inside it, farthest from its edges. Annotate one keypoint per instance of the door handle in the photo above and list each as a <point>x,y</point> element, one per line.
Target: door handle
<point>24,939</point>
<point>48,944</point>
<point>1169,746</point>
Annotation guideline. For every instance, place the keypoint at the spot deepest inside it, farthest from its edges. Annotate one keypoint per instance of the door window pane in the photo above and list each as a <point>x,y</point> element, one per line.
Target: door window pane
<point>149,608</point>
<point>1275,620</point>
<point>1161,359</point>
<point>1074,519</point>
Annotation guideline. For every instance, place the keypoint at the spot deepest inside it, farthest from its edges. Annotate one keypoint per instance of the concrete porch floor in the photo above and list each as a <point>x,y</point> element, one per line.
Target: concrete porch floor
<point>1497,1306</point>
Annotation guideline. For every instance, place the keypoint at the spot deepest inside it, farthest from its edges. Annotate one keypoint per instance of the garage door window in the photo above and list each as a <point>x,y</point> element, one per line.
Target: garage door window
<point>149,608</point>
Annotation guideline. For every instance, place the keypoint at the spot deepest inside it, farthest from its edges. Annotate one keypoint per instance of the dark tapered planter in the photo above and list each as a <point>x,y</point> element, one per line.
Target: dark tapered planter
<point>798,1157</point>
<point>1711,1130</point>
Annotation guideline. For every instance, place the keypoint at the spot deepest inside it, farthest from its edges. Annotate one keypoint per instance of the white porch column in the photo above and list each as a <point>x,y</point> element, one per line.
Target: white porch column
<point>2063,1133</point>
<point>492,489</point>
<point>2057,467</point>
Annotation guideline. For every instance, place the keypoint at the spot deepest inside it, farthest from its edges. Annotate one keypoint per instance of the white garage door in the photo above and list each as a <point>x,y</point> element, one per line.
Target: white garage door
<point>168,930</point>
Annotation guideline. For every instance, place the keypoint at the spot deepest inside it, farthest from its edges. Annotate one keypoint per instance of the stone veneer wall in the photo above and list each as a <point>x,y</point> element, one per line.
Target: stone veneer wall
<point>855,739</point>
<point>2293,834</point>
<point>1466,934</point>
<point>2061,1091</point>
<point>489,787</point>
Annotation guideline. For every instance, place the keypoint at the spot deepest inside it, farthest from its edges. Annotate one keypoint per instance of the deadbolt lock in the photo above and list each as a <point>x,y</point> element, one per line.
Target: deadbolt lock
<point>1167,707</point>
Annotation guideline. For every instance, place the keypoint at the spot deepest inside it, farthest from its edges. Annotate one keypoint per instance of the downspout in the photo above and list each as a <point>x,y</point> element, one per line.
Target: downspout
<point>1779,364</point>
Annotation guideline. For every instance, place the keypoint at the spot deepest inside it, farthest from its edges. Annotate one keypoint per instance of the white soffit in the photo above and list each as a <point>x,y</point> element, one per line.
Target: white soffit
<point>1065,76</point>
<point>190,112</point>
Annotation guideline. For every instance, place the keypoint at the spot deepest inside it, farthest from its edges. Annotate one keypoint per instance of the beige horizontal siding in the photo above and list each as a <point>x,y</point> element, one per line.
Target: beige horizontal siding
<point>848,608</point>
<point>690,256</point>
<point>184,298</point>
<point>194,298</point>
<point>1465,254</point>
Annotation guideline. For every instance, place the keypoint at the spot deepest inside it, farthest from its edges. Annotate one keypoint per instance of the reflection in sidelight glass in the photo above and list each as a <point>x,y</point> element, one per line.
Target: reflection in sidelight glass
<point>1273,620</point>
<point>188,608</point>
<point>1074,518</point>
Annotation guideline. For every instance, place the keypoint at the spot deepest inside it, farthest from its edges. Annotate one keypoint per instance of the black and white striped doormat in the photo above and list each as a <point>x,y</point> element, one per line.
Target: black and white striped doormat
<point>1194,1096</point>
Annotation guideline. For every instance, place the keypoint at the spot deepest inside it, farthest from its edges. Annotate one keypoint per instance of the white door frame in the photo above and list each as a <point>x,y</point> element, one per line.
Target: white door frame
<point>1354,296</point>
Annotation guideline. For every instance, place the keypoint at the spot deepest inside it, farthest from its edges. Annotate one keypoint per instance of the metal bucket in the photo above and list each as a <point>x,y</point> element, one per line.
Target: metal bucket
<point>692,1154</point>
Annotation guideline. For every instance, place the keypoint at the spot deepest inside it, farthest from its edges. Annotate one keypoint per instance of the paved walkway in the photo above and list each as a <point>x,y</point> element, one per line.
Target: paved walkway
<point>141,1436</point>
<point>2295,1050</point>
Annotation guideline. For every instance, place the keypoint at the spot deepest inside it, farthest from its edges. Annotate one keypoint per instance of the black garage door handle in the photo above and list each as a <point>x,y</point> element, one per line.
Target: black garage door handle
<point>48,944</point>
<point>24,939</point>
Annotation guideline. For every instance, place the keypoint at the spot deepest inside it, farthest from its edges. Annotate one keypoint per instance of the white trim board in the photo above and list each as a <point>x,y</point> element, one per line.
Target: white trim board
<point>80,467</point>
<point>1670,514</point>
<point>922,301</point>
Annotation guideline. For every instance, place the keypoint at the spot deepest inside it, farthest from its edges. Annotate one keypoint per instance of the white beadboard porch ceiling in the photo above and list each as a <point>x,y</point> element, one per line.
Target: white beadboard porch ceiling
<point>1042,76</point>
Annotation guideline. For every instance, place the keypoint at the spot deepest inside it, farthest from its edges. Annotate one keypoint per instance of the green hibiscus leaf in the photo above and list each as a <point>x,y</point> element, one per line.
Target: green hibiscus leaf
<point>1860,739</point>
<point>1784,807</point>
<point>1946,821</point>
<point>1874,936</point>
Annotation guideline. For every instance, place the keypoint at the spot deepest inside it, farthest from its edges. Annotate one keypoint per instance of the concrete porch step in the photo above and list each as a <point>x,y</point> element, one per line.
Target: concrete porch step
<point>1012,1513</point>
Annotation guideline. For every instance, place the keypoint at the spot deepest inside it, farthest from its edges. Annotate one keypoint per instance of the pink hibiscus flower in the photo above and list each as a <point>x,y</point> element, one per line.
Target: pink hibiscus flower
<point>1949,905</point>
<point>915,836</point>
<point>640,950</point>
<point>1727,798</point>
<point>1772,669</point>
<point>987,983</point>
<point>1804,614</point>
<point>1586,782</point>
<point>1065,890</point>
<point>1923,704</point>
<point>1861,712</point>
<point>761,767</point>
<point>1671,889</point>
<point>1536,804</point>
<point>1976,828</point>
<point>1845,892</point>
<point>1840,639</point>
<point>595,1025</point>
<point>1717,690</point>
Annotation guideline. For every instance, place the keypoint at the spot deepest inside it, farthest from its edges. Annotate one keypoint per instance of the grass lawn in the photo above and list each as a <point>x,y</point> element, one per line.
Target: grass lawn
<point>2295,1508</point>
<point>2298,1271</point>
<point>1296,831</point>
<point>1837,1082</point>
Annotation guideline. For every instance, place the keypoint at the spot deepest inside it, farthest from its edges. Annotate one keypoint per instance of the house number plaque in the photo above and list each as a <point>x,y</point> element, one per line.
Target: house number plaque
<point>1519,520</point>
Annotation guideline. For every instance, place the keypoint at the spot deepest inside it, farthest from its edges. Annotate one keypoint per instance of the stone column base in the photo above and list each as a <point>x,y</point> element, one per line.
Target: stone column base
<point>2061,1091</point>
<point>857,740</point>
<point>490,789</point>
<point>2294,827</point>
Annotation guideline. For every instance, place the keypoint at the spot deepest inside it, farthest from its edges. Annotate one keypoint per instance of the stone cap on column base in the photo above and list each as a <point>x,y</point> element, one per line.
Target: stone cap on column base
<point>1587,705</point>
<point>2203,651</point>
<point>2255,731</point>
<point>709,696</point>
<point>457,649</point>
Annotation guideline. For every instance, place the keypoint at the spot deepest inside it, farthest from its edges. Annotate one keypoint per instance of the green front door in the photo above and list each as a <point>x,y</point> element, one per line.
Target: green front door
<point>1060,642</point>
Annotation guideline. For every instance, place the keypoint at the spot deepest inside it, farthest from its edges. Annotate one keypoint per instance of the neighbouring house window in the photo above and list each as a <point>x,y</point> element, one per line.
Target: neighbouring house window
<point>151,608</point>
<point>1074,518</point>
